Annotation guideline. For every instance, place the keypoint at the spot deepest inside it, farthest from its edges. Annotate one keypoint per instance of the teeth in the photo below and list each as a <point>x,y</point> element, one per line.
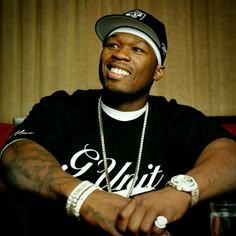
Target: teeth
<point>119,71</point>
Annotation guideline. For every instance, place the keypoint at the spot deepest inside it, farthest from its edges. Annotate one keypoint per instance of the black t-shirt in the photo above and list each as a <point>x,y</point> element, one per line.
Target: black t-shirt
<point>67,126</point>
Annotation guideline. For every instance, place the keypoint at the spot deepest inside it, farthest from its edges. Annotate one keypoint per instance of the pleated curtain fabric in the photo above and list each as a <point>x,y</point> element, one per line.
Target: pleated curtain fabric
<point>47,45</point>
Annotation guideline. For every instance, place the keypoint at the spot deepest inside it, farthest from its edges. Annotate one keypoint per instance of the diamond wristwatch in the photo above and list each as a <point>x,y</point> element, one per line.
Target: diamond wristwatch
<point>187,184</point>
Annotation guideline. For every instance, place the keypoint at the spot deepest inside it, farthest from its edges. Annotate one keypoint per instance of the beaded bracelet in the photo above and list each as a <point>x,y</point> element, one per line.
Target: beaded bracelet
<point>82,198</point>
<point>75,194</point>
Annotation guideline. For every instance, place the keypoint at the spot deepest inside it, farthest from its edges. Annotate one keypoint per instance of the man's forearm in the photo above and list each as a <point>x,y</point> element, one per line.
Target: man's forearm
<point>28,166</point>
<point>215,169</point>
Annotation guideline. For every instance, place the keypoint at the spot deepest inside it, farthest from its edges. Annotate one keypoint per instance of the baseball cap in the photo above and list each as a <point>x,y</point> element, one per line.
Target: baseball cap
<point>137,19</point>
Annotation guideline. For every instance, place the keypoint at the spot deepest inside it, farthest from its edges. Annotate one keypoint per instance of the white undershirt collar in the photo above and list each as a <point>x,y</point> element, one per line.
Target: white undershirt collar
<point>122,115</point>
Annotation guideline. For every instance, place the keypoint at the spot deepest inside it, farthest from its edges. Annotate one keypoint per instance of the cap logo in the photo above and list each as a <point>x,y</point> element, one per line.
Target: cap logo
<point>136,14</point>
<point>163,47</point>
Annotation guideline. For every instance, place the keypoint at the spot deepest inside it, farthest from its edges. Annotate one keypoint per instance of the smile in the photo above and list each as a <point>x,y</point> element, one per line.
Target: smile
<point>119,71</point>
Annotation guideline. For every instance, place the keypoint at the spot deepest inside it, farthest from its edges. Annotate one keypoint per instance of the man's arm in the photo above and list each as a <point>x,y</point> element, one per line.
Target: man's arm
<point>30,167</point>
<point>215,173</point>
<point>215,169</point>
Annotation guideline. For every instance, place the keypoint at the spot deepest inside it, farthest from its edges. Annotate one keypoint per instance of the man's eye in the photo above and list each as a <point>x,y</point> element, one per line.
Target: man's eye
<point>112,45</point>
<point>138,49</point>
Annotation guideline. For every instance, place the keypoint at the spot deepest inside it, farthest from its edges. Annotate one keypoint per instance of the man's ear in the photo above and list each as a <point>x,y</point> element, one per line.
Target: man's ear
<point>159,72</point>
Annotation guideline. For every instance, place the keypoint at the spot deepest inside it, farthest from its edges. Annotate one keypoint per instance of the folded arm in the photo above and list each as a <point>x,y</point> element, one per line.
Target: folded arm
<point>29,167</point>
<point>215,174</point>
<point>215,168</point>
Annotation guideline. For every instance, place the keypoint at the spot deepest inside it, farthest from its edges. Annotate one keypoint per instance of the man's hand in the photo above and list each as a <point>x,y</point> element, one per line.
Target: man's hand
<point>139,214</point>
<point>101,209</point>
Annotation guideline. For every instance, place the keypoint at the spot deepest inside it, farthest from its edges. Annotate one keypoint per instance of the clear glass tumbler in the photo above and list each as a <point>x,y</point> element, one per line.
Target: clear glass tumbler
<point>223,218</point>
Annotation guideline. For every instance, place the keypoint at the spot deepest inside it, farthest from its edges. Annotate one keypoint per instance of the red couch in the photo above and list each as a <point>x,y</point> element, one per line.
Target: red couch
<point>228,123</point>
<point>5,130</point>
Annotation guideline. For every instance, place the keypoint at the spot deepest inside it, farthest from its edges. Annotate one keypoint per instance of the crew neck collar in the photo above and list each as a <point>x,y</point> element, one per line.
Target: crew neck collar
<point>122,115</point>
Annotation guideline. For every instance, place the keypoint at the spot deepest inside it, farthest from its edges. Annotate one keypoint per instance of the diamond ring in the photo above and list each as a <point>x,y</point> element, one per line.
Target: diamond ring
<point>161,222</point>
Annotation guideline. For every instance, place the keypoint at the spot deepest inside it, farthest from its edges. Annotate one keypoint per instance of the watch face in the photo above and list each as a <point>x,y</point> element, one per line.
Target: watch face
<point>184,182</point>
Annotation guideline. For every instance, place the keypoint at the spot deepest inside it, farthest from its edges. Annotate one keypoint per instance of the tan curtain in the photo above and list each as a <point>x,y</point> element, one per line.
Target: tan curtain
<point>47,45</point>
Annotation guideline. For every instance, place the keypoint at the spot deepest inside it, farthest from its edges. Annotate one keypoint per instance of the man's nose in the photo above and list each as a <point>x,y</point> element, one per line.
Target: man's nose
<point>122,54</point>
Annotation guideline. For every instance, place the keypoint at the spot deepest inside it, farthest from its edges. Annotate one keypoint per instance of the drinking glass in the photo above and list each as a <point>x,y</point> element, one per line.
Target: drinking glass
<point>223,218</point>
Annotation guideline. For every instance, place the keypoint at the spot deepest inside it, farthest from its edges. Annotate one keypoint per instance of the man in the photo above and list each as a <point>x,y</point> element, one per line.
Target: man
<point>117,161</point>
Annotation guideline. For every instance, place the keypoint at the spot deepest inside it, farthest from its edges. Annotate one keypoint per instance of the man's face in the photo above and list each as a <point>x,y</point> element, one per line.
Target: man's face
<point>127,64</point>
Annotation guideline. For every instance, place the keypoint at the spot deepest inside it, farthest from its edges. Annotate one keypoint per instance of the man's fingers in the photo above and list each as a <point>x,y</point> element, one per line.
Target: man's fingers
<point>124,216</point>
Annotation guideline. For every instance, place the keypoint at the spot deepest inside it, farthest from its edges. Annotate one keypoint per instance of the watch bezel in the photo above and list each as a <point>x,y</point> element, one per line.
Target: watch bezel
<point>187,184</point>
<point>184,183</point>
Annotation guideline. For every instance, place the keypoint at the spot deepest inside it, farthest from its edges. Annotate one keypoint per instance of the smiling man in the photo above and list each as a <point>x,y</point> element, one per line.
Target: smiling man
<point>116,161</point>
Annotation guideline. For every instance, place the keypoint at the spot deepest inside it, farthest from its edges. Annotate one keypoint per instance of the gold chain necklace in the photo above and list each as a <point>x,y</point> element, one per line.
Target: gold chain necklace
<point>104,149</point>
